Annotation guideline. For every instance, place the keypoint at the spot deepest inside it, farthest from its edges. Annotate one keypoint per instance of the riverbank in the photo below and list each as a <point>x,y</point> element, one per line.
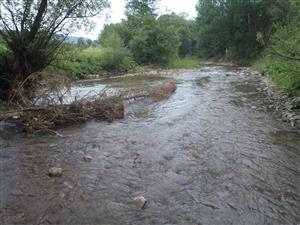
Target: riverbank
<point>277,86</point>
<point>285,104</point>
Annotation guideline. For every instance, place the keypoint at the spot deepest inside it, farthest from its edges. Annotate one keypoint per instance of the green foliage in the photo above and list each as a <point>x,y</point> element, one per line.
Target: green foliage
<point>77,63</point>
<point>156,44</point>
<point>238,29</point>
<point>285,42</point>
<point>282,59</point>
<point>285,73</point>
<point>185,32</point>
<point>117,60</point>
<point>141,7</point>
<point>116,57</point>
<point>33,31</point>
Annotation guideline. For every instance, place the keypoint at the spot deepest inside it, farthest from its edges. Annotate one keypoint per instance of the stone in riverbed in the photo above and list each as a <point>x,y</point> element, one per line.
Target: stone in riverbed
<point>87,158</point>
<point>55,172</point>
<point>140,202</point>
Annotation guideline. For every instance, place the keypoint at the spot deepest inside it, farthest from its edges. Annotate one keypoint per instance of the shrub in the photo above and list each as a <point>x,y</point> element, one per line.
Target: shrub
<point>119,59</point>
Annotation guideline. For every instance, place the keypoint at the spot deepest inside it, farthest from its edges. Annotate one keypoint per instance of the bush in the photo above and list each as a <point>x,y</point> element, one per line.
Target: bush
<point>117,60</point>
<point>282,61</point>
<point>78,63</point>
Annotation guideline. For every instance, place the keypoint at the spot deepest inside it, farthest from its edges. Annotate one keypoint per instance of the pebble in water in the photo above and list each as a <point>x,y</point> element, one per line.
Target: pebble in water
<point>87,158</point>
<point>55,172</point>
<point>140,202</point>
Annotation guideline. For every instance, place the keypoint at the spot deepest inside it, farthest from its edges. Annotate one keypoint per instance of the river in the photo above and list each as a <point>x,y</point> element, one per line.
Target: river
<point>214,153</point>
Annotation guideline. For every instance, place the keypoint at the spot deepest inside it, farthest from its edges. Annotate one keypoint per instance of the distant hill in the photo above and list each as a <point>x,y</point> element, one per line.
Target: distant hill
<point>74,39</point>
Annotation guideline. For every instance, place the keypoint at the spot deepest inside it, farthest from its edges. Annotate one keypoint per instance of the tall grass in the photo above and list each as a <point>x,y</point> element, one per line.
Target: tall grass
<point>184,63</point>
<point>285,73</point>
<point>77,63</point>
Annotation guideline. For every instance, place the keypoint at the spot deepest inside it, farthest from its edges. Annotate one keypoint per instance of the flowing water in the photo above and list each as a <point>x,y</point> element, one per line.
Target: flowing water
<point>214,153</point>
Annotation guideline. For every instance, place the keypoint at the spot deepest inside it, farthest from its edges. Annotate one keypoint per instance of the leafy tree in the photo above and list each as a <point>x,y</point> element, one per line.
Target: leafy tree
<point>116,56</point>
<point>232,27</point>
<point>120,28</point>
<point>185,30</point>
<point>141,7</point>
<point>155,44</point>
<point>33,31</point>
<point>150,42</point>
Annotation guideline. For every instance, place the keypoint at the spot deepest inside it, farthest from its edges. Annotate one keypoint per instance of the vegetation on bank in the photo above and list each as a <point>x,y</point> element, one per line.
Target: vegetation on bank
<point>281,59</point>
<point>143,39</point>
<point>264,34</point>
<point>77,64</point>
<point>246,31</point>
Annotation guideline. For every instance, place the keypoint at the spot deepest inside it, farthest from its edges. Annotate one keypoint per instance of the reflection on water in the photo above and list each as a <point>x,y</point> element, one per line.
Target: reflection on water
<point>210,154</point>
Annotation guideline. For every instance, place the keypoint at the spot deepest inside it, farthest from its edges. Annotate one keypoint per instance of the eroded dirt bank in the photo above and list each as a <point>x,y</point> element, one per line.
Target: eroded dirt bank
<point>213,153</point>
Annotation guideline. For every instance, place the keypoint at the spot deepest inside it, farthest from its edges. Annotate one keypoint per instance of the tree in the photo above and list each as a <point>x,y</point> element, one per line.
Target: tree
<point>116,57</point>
<point>141,7</point>
<point>155,44</point>
<point>140,13</point>
<point>232,27</point>
<point>33,31</point>
<point>184,29</point>
<point>150,41</point>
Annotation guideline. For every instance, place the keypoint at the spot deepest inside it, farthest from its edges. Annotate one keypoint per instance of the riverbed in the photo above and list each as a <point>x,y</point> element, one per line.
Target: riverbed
<point>215,152</point>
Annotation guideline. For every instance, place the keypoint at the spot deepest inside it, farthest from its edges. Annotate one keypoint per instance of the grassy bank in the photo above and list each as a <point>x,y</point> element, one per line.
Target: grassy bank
<point>184,63</point>
<point>78,63</point>
<point>285,73</point>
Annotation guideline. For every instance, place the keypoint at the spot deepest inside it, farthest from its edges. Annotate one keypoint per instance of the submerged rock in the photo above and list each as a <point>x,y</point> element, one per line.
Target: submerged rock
<point>55,172</point>
<point>87,158</point>
<point>140,202</point>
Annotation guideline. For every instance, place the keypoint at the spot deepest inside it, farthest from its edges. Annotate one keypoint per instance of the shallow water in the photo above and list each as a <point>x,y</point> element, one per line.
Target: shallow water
<point>114,86</point>
<point>213,153</point>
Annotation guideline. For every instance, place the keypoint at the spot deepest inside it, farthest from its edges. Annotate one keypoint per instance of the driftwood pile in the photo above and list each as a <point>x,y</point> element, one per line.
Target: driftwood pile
<point>45,119</point>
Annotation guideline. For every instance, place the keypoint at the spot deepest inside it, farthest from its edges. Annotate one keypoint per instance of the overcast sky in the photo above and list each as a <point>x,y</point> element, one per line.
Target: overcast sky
<point>116,14</point>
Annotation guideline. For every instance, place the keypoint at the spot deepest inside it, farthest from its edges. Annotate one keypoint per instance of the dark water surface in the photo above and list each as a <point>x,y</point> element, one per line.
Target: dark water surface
<point>212,154</point>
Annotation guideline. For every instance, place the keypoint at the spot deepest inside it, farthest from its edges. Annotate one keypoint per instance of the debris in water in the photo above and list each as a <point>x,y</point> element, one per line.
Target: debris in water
<point>163,91</point>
